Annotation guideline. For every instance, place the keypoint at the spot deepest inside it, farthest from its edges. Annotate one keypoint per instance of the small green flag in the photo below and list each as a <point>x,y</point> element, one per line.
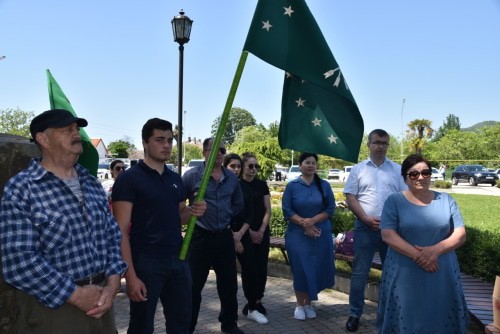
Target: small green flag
<point>58,100</point>
<point>318,111</point>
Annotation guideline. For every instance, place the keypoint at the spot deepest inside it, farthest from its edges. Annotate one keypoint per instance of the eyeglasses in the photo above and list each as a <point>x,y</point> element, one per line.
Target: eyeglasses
<point>414,175</point>
<point>252,166</point>
<point>380,143</point>
<point>222,150</point>
<point>119,168</point>
<point>233,166</point>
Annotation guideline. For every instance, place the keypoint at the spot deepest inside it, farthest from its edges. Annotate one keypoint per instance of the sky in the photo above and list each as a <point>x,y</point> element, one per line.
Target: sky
<point>117,62</point>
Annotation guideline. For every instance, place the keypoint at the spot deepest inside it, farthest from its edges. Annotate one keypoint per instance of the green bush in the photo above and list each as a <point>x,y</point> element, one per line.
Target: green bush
<point>479,256</point>
<point>442,184</point>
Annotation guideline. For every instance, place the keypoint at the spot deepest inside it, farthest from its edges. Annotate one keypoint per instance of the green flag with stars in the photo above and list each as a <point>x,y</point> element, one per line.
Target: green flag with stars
<point>318,111</point>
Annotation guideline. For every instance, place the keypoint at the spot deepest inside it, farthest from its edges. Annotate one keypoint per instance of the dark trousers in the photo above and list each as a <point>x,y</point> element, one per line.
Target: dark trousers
<point>169,280</point>
<point>253,262</point>
<point>214,250</point>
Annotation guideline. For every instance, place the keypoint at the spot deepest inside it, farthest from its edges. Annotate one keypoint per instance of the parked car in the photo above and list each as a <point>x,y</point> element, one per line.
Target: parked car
<point>473,174</point>
<point>436,175</point>
<point>103,171</point>
<point>294,172</point>
<point>282,170</point>
<point>344,174</point>
<point>334,173</point>
<point>193,163</point>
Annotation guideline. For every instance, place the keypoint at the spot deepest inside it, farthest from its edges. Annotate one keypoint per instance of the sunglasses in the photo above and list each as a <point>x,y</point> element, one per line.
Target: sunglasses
<point>414,175</point>
<point>233,166</point>
<point>222,150</point>
<point>252,166</point>
<point>119,168</point>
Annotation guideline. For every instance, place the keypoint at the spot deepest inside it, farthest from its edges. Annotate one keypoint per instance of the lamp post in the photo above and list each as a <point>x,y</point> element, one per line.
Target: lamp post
<point>2,57</point>
<point>402,107</point>
<point>181,27</point>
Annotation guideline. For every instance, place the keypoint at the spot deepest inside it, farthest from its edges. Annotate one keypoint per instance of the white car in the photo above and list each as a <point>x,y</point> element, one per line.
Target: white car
<point>334,174</point>
<point>293,173</point>
<point>436,175</point>
<point>344,174</point>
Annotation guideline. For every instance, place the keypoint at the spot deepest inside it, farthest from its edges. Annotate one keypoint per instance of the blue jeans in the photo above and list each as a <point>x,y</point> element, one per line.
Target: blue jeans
<point>167,279</point>
<point>366,243</point>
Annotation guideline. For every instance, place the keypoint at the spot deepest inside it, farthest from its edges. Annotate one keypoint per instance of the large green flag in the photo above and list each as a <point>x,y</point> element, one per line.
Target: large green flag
<point>58,100</point>
<point>318,111</point>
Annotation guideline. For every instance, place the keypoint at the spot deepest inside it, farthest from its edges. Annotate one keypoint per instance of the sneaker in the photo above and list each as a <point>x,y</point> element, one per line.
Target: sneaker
<point>299,313</point>
<point>245,310</point>
<point>261,308</point>
<point>310,312</point>
<point>257,317</point>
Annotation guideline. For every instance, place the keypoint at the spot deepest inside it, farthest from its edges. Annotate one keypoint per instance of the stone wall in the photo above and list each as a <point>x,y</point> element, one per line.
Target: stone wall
<point>15,154</point>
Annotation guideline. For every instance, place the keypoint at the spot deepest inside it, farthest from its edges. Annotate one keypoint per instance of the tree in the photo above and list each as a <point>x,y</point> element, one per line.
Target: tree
<point>452,122</point>
<point>419,131</point>
<point>16,122</point>
<point>121,148</point>
<point>238,119</point>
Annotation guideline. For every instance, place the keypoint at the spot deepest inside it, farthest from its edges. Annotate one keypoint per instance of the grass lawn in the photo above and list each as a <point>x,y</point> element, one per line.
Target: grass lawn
<point>479,211</point>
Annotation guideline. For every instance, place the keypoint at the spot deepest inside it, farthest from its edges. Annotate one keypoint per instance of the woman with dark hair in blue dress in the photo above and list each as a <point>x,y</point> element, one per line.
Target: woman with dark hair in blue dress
<point>308,204</point>
<point>421,289</point>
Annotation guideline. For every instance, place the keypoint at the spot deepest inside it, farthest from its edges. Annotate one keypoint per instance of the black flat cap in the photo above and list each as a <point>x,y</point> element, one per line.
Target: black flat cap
<point>54,118</point>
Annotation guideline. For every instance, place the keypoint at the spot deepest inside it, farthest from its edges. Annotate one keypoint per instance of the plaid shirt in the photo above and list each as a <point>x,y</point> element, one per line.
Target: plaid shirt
<point>49,239</point>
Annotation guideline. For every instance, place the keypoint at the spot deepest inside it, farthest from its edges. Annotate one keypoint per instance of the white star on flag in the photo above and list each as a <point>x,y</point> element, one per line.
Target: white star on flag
<point>316,122</point>
<point>300,102</point>
<point>288,11</point>
<point>266,25</point>
<point>332,139</point>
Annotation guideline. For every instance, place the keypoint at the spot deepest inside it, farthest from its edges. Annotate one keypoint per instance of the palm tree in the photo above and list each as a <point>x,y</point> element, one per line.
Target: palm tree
<point>419,131</point>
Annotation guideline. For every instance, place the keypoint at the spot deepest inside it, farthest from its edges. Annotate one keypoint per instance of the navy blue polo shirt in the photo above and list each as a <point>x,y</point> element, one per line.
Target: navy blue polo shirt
<point>156,222</point>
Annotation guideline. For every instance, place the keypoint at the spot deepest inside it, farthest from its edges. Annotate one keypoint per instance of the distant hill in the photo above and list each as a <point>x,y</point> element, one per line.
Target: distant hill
<point>480,125</point>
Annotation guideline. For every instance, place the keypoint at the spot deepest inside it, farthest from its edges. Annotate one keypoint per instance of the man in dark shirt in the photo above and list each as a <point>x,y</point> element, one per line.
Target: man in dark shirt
<point>212,244</point>
<point>149,203</point>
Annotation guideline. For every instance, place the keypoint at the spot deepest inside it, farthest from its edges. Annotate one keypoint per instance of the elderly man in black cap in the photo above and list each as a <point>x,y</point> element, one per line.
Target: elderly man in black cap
<point>60,244</point>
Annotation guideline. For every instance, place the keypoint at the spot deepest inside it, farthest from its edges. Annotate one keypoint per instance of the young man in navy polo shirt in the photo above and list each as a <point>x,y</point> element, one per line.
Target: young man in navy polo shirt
<point>149,206</point>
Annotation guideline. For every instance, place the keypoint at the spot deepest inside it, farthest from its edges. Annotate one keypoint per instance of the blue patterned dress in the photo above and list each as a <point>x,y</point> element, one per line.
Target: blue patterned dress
<point>311,259</point>
<point>412,300</point>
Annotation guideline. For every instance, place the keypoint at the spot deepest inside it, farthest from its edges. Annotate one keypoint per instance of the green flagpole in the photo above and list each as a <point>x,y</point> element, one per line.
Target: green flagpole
<point>213,153</point>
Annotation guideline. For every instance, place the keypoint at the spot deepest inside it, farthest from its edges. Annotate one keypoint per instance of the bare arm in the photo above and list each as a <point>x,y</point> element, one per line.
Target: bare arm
<point>136,289</point>
<point>257,236</point>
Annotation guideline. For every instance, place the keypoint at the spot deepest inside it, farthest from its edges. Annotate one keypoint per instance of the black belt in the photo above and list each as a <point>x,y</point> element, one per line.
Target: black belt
<point>203,230</point>
<point>95,279</point>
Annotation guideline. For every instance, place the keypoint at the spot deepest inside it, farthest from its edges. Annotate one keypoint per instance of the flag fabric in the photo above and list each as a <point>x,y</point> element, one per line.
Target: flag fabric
<point>58,100</point>
<point>318,111</point>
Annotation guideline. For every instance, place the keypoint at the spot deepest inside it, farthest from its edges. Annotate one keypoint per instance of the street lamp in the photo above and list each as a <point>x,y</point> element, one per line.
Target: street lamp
<point>2,57</point>
<point>181,27</point>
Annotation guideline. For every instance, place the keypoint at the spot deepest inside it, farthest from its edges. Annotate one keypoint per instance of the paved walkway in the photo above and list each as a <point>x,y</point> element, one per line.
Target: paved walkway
<point>332,309</point>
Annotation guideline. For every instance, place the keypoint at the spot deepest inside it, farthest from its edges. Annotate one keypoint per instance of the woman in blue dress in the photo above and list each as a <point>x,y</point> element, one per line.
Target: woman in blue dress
<point>308,204</point>
<point>421,289</point>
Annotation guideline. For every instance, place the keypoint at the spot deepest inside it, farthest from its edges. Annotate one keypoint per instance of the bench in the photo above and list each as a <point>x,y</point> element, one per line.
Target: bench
<point>477,293</point>
<point>279,243</point>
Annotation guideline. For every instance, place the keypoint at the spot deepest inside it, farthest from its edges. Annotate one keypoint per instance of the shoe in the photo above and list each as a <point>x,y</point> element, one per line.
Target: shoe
<point>245,310</point>
<point>310,312</point>
<point>232,330</point>
<point>352,324</point>
<point>261,308</point>
<point>257,317</point>
<point>300,313</point>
